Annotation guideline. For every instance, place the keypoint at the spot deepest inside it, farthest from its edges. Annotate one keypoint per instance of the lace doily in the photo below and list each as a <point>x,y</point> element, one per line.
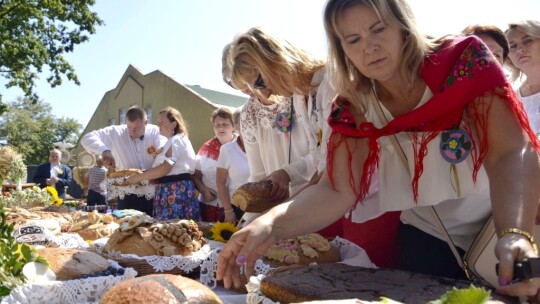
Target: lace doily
<point>143,189</point>
<point>350,254</point>
<point>88,290</point>
<point>165,263</point>
<point>68,240</point>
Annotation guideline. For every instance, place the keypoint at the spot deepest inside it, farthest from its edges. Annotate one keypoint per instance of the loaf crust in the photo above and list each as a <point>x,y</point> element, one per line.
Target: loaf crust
<point>163,239</point>
<point>160,289</point>
<point>122,172</point>
<point>253,197</point>
<point>335,281</point>
<point>70,264</point>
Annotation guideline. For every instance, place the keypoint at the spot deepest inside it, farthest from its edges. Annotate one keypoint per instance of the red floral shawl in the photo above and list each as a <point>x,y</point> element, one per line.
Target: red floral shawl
<point>459,73</point>
<point>210,149</point>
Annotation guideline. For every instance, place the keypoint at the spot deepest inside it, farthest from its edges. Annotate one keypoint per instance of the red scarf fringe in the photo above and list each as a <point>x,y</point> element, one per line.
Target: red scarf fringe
<point>210,149</point>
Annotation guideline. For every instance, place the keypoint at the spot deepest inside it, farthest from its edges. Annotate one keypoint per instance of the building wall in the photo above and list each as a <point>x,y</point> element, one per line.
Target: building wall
<point>153,92</point>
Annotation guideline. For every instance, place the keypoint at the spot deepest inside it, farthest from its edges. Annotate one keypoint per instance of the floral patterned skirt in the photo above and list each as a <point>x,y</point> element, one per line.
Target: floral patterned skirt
<point>176,200</point>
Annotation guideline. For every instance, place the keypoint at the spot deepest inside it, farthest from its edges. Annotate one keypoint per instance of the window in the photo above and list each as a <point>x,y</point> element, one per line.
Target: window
<point>148,111</point>
<point>122,116</point>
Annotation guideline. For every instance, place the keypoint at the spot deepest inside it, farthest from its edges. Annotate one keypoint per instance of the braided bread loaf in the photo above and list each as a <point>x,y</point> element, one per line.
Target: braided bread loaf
<point>163,239</point>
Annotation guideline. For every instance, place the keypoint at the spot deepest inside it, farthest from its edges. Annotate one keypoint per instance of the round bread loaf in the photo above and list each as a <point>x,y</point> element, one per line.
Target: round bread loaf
<point>160,289</point>
<point>302,250</point>
<point>122,172</point>
<point>71,264</point>
<point>253,197</point>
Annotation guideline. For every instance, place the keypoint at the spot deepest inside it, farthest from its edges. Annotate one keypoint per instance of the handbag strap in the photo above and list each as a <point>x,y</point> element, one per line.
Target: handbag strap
<point>461,262</point>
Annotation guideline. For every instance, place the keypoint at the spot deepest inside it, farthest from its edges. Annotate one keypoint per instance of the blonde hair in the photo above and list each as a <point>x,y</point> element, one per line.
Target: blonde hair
<point>529,27</point>
<point>284,68</point>
<point>345,77</point>
<point>175,115</point>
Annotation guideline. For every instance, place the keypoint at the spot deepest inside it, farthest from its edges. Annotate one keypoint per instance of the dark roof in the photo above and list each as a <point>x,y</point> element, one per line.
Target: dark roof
<point>220,98</point>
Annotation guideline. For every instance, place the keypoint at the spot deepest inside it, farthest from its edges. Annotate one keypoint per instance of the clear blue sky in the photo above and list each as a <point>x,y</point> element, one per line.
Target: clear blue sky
<point>184,39</point>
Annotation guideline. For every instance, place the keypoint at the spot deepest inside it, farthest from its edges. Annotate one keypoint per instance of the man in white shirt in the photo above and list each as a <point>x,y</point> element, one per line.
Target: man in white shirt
<point>126,147</point>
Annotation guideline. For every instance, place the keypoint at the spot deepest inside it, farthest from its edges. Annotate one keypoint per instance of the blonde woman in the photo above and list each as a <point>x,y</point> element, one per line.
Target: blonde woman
<point>288,150</point>
<point>524,41</point>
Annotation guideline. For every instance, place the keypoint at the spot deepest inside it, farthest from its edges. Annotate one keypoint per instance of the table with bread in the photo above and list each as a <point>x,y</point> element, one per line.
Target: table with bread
<point>127,256</point>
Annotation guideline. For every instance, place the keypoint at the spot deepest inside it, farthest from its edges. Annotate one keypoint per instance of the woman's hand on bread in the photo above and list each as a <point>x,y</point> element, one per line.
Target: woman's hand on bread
<point>244,248</point>
<point>280,185</point>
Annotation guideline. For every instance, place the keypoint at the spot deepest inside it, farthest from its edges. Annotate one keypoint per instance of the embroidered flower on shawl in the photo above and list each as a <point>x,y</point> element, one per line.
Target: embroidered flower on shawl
<point>476,56</point>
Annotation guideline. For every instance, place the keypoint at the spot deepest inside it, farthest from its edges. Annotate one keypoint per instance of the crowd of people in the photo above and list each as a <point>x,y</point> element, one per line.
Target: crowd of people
<point>366,144</point>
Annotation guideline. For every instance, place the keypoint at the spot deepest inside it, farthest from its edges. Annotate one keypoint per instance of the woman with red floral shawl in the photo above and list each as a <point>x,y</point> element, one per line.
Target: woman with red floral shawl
<point>444,128</point>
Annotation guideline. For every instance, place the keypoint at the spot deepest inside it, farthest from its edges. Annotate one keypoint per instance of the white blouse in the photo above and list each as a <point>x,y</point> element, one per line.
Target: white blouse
<point>463,215</point>
<point>182,158</point>
<point>532,107</point>
<point>232,158</point>
<point>297,152</point>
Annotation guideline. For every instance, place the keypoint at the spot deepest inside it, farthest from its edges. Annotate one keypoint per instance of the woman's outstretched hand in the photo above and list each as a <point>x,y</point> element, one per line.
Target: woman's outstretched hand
<point>244,248</point>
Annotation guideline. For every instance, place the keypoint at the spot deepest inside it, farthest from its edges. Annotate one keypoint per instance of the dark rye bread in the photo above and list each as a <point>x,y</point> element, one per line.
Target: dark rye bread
<point>340,281</point>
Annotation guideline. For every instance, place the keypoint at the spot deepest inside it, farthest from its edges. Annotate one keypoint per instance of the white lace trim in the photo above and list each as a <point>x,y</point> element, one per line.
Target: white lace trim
<point>143,189</point>
<point>350,254</point>
<point>255,115</point>
<point>88,290</point>
<point>166,263</point>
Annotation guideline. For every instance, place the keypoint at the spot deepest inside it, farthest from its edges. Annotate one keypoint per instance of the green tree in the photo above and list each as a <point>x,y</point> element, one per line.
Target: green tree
<point>37,33</point>
<point>31,129</point>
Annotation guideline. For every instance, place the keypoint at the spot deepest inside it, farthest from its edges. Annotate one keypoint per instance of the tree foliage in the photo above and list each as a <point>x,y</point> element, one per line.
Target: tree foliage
<point>31,129</point>
<point>37,33</point>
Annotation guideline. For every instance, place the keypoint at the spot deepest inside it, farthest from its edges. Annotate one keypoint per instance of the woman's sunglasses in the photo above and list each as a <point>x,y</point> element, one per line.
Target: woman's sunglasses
<point>259,83</point>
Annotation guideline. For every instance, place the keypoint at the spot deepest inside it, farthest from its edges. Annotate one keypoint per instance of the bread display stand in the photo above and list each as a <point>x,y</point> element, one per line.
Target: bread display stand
<point>350,253</point>
<point>89,290</point>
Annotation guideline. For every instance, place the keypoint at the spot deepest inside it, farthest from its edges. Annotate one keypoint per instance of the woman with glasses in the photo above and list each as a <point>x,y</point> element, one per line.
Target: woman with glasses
<point>285,131</point>
<point>524,41</point>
